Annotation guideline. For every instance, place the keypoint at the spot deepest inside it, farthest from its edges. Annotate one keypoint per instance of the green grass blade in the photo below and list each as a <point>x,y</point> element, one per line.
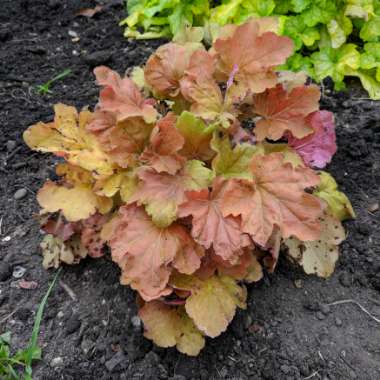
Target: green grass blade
<point>33,345</point>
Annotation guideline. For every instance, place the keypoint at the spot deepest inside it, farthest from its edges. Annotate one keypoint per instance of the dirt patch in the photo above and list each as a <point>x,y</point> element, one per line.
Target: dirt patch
<point>287,332</point>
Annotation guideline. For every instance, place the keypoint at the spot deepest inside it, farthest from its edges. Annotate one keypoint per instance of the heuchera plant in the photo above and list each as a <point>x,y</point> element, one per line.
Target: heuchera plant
<point>195,172</point>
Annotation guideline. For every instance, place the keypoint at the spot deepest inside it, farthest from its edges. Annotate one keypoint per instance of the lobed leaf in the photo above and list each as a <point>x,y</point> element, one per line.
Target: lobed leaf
<point>319,256</point>
<point>338,204</point>
<point>67,137</point>
<point>275,197</point>
<point>168,326</point>
<point>209,227</point>
<point>283,111</point>
<point>212,303</point>
<point>122,96</point>
<point>318,148</point>
<point>254,55</point>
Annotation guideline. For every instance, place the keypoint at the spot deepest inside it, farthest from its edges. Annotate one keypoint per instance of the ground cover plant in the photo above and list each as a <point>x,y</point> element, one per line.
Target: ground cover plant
<point>11,365</point>
<point>195,171</point>
<point>334,39</point>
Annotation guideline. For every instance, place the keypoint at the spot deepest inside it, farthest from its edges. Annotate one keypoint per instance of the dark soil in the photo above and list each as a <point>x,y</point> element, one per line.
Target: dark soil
<point>287,332</point>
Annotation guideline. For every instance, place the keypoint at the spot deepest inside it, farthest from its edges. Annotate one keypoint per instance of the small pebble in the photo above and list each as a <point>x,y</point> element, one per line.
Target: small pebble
<point>11,144</point>
<point>373,207</point>
<point>320,316</point>
<point>5,271</point>
<point>72,324</point>
<point>338,321</point>
<point>18,271</point>
<point>345,279</point>
<point>60,314</point>
<point>298,284</point>
<point>136,321</point>
<point>87,345</point>
<point>20,193</point>
<point>325,309</point>
<point>56,362</point>
<point>72,33</point>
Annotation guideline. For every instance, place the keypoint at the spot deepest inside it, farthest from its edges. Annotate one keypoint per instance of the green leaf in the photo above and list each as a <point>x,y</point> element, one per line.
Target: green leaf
<point>197,136</point>
<point>300,5</point>
<point>369,82</point>
<point>371,30</point>
<point>335,63</point>
<point>226,12</point>
<point>359,8</point>
<point>320,11</point>
<point>338,204</point>
<point>339,29</point>
<point>233,162</point>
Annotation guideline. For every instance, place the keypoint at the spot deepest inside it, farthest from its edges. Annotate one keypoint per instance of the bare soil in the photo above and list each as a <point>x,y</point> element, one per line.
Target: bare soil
<point>288,331</point>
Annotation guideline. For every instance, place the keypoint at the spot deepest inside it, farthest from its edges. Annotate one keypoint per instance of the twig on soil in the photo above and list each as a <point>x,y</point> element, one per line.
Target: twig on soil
<point>8,316</point>
<point>1,225</point>
<point>68,290</point>
<point>312,375</point>
<point>357,304</point>
<point>16,150</point>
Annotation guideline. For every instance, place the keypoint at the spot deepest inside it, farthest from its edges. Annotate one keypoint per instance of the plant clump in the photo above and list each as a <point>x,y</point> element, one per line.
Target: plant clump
<point>196,171</point>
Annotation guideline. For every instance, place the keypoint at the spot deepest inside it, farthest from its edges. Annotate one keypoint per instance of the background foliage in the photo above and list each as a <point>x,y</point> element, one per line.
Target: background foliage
<point>333,38</point>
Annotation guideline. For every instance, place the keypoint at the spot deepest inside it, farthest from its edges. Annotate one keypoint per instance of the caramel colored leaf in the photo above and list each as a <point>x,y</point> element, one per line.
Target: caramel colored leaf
<point>166,67</point>
<point>144,251</point>
<point>162,193</point>
<point>319,257</point>
<point>168,326</point>
<point>122,96</point>
<point>67,137</point>
<point>212,303</point>
<point>209,226</point>
<point>275,197</point>
<point>123,141</point>
<point>165,143</point>
<point>76,203</point>
<point>252,56</point>
<point>283,111</point>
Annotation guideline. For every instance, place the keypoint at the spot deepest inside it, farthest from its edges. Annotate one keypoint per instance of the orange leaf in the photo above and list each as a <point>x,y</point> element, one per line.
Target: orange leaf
<point>121,140</point>
<point>122,96</point>
<point>252,56</point>
<point>162,193</point>
<point>166,67</point>
<point>284,111</point>
<point>144,252</point>
<point>276,197</point>
<point>165,142</point>
<point>209,226</point>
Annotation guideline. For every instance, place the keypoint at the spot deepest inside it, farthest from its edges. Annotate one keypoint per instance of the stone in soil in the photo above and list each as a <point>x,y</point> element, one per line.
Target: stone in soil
<point>118,358</point>
<point>72,324</point>
<point>56,362</point>
<point>20,194</point>
<point>5,271</point>
<point>11,144</point>
<point>97,58</point>
<point>345,279</point>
